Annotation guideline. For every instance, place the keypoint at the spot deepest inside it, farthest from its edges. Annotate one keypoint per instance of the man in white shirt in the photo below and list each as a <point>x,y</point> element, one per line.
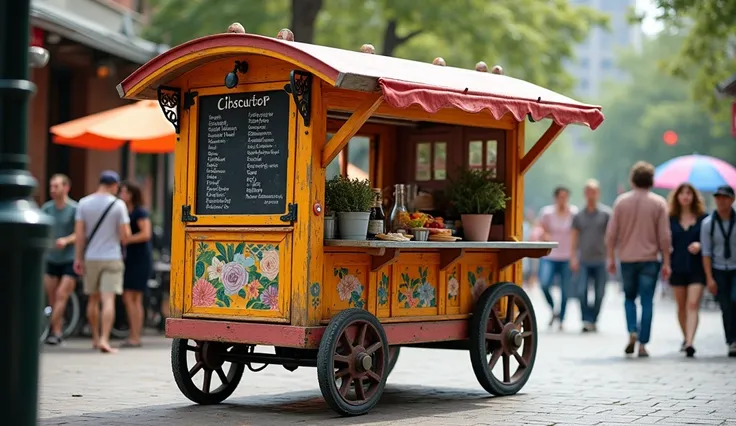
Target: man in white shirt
<point>102,227</point>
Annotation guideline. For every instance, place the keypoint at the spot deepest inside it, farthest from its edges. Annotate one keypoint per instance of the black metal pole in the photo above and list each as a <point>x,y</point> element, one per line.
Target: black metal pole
<point>124,160</point>
<point>25,230</point>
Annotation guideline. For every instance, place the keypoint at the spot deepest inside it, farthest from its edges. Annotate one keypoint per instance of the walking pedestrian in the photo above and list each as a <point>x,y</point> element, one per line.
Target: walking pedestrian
<point>687,211</point>
<point>556,222</point>
<point>639,232</point>
<point>718,246</point>
<point>588,248</point>
<point>138,261</point>
<point>60,279</point>
<point>102,226</point>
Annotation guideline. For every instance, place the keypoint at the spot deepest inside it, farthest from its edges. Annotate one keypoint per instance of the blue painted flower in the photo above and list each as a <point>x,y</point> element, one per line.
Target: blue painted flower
<point>382,295</point>
<point>426,293</point>
<point>314,289</point>
<point>247,262</point>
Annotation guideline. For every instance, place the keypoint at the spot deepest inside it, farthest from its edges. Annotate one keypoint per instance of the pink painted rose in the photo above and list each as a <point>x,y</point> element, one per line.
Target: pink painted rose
<point>452,287</point>
<point>270,264</point>
<point>233,277</point>
<point>270,297</point>
<point>347,285</point>
<point>203,294</point>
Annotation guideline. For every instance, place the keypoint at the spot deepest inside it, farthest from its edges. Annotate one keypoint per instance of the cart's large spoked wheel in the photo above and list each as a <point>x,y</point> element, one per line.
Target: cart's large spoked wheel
<point>201,373</point>
<point>352,362</point>
<point>503,339</point>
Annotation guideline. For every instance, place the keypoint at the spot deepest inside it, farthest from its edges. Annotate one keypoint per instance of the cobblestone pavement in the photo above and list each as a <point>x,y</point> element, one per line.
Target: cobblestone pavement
<point>577,380</point>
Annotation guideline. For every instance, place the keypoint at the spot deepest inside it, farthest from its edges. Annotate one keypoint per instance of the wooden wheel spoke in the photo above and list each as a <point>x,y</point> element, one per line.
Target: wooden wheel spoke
<point>342,373</point>
<point>519,359</point>
<point>346,341</point>
<point>360,341</point>
<point>345,385</point>
<point>359,389</point>
<point>223,377</point>
<point>194,348</point>
<point>373,348</point>
<point>345,359</point>
<point>493,336</point>
<point>495,356</point>
<point>506,368</point>
<point>373,376</point>
<point>510,304</point>
<point>195,369</point>
<point>520,319</point>
<point>207,381</point>
<point>497,325</point>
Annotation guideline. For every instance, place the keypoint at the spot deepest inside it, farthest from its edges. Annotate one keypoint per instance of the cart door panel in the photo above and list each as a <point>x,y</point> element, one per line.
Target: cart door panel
<point>238,273</point>
<point>241,161</point>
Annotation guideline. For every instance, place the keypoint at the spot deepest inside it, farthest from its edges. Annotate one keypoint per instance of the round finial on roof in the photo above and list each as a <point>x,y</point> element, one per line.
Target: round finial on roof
<point>439,61</point>
<point>236,28</point>
<point>497,69</point>
<point>285,34</point>
<point>481,66</point>
<point>368,48</point>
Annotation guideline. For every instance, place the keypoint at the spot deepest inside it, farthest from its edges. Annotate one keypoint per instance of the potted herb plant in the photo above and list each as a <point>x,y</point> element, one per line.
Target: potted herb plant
<point>351,199</point>
<point>330,226</point>
<point>476,197</point>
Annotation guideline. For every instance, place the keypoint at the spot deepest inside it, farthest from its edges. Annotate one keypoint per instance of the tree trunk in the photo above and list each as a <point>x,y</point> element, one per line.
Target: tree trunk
<point>303,16</point>
<point>391,39</point>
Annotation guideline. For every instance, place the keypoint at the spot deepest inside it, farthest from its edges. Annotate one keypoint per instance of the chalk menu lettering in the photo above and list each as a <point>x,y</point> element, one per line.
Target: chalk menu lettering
<point>242,151</point>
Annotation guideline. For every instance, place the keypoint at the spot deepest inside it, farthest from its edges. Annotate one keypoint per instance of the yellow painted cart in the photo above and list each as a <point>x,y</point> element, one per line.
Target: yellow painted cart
<point>260,121</point>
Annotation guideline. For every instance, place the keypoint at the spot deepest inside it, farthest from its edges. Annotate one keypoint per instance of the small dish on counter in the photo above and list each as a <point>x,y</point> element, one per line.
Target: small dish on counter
<point>420,234</point>
<point>394,237</point>
<point>444,238</point>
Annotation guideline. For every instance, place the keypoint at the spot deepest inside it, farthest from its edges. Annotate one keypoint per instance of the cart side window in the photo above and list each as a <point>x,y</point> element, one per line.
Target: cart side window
<point>483,154</point>
<point>354,161</point>
<point>431,161</point>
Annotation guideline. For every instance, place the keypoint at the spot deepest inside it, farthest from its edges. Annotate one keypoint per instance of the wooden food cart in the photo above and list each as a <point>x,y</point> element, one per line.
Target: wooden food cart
<point>259,121</point>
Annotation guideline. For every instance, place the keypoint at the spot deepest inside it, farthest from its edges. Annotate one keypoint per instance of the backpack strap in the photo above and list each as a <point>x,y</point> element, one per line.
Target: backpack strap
<point>713,219</point>
<point>99,222</point>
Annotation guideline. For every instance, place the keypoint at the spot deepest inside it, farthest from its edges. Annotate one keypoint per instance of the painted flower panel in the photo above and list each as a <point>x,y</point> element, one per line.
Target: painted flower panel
<point>349,288</point>
<point>236,275</point>
<point>416,291</point>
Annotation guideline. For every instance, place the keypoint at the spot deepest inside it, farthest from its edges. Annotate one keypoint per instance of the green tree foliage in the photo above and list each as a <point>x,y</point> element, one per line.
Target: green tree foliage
<point>529,38</point>
<point>640,111</point>
<point>708,54</point>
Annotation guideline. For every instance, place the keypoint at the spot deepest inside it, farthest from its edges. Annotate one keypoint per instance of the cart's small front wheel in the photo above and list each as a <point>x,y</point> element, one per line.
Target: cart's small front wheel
<point>503,328</point>
<point>208,361</point>
<point>352,362</point>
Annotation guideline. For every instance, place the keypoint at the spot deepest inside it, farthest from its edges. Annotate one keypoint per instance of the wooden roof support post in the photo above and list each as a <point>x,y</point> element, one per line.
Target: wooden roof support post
<point>539,147</point>
<point>350,128</point>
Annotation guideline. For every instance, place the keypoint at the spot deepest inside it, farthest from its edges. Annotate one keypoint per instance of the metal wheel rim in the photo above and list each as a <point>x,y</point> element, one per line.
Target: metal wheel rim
<point>357,340</point>
<point>504,330</point>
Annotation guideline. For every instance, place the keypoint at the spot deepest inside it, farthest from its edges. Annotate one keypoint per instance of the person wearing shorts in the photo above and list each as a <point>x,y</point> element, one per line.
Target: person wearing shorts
<point>687,211</point>
<point>60,279</point>
<point>102,227</point>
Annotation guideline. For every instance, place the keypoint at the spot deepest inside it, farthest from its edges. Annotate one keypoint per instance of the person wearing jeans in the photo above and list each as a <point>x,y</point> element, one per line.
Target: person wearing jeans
<point>639,231</point>
<point>556,222</point>
<point>589,253</point>
<point>718,246</point>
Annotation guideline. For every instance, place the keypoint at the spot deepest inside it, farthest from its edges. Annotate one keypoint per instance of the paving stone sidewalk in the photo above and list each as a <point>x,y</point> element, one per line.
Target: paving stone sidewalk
<point>577,380</point>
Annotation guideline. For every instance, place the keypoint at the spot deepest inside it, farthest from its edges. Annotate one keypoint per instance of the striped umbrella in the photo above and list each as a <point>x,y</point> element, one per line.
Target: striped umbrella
<point>703,172</point>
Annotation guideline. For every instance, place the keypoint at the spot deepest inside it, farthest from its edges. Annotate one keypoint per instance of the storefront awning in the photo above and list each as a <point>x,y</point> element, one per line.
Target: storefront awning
<point>69,25</point>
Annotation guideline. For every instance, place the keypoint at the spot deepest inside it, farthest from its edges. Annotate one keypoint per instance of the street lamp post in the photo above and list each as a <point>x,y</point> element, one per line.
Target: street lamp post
<point>24,230</point>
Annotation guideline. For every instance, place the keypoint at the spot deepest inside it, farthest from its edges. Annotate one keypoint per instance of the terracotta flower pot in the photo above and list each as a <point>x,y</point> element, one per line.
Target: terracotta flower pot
<point>477,227</point>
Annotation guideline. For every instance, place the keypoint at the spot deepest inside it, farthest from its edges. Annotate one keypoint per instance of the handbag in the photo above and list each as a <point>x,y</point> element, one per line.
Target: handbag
<point>99,222</point>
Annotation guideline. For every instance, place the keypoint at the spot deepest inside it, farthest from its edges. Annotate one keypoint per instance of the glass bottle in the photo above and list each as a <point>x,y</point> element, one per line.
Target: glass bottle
<point>377,220</point>
<point>399,207</point>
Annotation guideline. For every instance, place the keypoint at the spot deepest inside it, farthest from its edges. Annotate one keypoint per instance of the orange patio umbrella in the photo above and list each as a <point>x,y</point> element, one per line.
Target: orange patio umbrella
<point>142,124</point>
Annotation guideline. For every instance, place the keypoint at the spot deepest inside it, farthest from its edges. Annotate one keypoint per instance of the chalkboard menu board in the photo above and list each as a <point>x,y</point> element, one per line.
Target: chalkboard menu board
<point>242,151</point>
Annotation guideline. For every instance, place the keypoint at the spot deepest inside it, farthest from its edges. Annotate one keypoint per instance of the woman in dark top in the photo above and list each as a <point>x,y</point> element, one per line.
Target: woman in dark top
<point>138,261</point>
<point>687,210</point>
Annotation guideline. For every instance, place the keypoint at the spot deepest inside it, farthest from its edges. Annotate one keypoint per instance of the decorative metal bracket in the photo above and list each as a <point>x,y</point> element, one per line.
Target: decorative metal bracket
<point>300,87</point>
<point>169,99</point>
<point>186,214</point>
<point>189,99</point>
<point>290,216</point>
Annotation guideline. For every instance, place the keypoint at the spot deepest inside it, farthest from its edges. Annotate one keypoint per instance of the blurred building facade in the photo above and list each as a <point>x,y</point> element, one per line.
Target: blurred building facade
<point>93,44</point>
